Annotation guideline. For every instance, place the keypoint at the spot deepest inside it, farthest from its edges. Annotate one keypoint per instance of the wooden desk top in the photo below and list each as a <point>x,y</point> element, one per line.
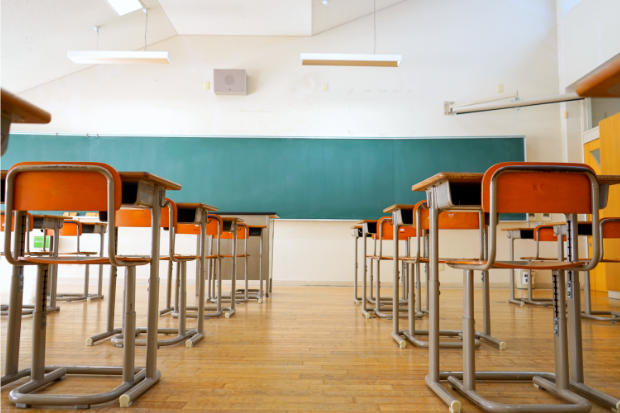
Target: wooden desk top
<point>104,224</point>
<point>370,221</point>
<point>195,205</point>
<point>147,176</point>
<point>271,214</point>
<point>460,177</point>
<point>608,179</point>
<point>22,111</point>
<point>398,206</point>
<point>4,174</point>
<point>229,219</point>
<point>519,229</point>
<point>356,227</point>
<point>258,226</point>
<point>473,178</point>
<point>50,216</point>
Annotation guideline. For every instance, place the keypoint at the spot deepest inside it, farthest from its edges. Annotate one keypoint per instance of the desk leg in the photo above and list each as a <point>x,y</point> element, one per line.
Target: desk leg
<point>356,300</point>
<point>395,293</point>
<point>200,287</point>
<point>364,278</point>
<point>233,274</point>
<point>513,299</point>
<point>13,333</point>
<point>53,277</point>
<point>432,379</point>
<point>110,330</point>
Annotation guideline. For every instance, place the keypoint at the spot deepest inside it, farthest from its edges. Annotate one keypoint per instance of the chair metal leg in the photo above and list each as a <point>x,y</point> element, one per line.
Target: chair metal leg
<point>42,375</point>
<point>13,333</point>
<point>110,330</point>
<point>182,333</point>
<point>611,317</point>
<point>168,307</point>
<point>464,382</point>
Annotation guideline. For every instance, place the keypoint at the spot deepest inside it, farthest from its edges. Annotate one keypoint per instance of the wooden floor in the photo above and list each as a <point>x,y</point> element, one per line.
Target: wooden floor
<point>309,349</point>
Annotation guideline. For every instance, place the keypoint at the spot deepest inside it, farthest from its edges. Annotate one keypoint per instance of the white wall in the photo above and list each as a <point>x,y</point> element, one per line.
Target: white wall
<point>456,52</point>
<point>591,36</point>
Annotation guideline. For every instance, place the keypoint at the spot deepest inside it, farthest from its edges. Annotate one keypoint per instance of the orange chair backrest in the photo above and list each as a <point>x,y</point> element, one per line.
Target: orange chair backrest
<point>141,218</point>
<point>30,220</point>
<point>64,190</point>
<point>70,228</point>
<point>386,230</point>
<point>549,192</point>
<point>193,229</point>
<point>212,225</point>
<point>611,229</point>
<point>448,219</point>
<point>188,229</point>
<point>545,233</point>
<point>242,232</point>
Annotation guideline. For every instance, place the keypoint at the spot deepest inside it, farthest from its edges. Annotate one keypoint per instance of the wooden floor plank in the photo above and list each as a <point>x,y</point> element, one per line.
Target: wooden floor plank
<point>308,349</point>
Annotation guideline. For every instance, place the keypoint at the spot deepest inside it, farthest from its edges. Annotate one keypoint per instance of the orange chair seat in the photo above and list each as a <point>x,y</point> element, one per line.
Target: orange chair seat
<point>180,257</point>
<point>83,260</point>
<point>525,265</point>
<point>540,258</point>
<point>230,256</point>
<point>423,260</point>
<point>386,257</point>
<point>78,253</point>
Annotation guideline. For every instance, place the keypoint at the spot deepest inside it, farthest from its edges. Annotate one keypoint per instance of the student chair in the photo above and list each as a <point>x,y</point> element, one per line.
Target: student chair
<point>385,231</point>
<point>569,189</point>
<point>72,228</point>
<point>447,220</point>
<point>543,233</point>
<point>243,232</point>
<point>610,229</point>
<point>142,218</point>
<point>65,186</point>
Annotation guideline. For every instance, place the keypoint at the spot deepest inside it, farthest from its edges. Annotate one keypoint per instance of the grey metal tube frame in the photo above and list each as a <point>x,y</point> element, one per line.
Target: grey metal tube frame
<point>135,381</point>
<point>466,386</point>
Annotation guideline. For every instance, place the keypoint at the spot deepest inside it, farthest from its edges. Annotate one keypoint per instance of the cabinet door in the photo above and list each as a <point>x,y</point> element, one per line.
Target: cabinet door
<point>610,165</point>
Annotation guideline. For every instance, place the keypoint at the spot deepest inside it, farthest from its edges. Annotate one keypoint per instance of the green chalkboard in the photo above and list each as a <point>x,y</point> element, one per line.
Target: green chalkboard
<point>340,178</point>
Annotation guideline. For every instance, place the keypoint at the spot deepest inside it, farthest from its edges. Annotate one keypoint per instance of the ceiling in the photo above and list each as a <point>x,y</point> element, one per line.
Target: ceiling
<point>36,35</point>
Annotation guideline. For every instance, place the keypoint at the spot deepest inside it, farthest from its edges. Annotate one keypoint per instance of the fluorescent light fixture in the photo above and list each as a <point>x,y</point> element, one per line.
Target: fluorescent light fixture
<point>123,7</point>
<point>347,59</point>
<point>120,58</point>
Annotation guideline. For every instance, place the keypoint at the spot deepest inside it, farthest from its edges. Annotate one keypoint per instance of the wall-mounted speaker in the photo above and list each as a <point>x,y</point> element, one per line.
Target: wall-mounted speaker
<point>230,82</point>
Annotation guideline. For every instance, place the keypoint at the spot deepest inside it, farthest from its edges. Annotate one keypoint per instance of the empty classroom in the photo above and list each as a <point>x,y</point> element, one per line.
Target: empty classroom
<point>310,206</point>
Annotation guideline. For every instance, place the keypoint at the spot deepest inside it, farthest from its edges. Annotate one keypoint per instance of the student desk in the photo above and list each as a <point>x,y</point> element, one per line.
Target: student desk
<point>265,272</point>
<point>447,191</point>
<point>369,227</point>
<point>16,109</point>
